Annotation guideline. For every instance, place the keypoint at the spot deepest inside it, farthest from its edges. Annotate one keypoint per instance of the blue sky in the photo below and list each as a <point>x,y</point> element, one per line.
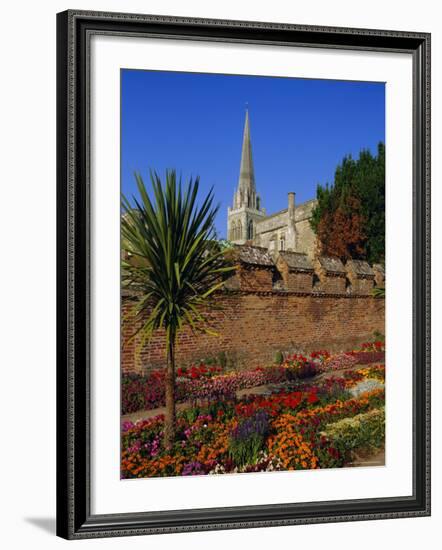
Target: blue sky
<point>300,130</point>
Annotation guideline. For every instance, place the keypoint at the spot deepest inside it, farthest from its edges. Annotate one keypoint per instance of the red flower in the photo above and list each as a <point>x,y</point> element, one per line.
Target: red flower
<point>312,398</point>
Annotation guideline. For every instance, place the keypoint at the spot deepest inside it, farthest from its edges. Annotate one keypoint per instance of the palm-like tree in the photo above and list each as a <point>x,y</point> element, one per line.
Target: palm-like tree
<point>175,265</point>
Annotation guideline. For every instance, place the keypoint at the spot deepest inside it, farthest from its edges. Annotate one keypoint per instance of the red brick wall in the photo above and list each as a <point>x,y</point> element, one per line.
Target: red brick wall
<point>332,285</point>
<point>252,326</point>
<point>362,286</point>
<point>255,279</point>
<point>295,280</point>
<point>301,282</point>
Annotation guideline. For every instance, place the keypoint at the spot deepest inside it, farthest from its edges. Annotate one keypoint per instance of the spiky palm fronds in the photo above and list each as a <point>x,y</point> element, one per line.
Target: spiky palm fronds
<point>379,292</point>
<point>175,264</point>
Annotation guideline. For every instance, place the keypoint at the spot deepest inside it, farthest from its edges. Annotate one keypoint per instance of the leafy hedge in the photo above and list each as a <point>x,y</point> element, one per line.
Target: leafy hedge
<point>363,431</point>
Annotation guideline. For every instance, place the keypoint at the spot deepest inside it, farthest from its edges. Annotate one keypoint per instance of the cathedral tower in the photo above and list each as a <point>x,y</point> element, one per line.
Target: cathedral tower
<point>246,209</point>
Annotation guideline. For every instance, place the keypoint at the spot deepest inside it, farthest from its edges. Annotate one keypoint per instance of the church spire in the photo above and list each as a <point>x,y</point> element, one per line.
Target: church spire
<point>246,183</point>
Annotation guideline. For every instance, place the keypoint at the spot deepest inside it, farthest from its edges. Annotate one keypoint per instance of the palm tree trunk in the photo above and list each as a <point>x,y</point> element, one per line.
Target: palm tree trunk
<point>170,420</point>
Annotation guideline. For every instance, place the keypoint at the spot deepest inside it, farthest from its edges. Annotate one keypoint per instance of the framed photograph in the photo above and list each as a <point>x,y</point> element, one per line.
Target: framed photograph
<point>243,274</point>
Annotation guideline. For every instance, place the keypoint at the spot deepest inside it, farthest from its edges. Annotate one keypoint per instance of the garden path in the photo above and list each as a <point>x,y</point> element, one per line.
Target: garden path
<point>377,459</point>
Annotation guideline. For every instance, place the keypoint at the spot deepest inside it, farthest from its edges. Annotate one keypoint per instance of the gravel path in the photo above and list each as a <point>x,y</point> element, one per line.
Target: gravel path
<point>366,385</point>
<point>377,459</point>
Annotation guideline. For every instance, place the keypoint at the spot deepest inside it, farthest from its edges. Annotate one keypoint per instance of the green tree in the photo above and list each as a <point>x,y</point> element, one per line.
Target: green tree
<point>349,219</point>
<point>174,265</point>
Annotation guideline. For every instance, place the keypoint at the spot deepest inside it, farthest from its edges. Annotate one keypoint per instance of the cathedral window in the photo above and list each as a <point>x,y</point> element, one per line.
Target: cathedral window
<point>250,234</point>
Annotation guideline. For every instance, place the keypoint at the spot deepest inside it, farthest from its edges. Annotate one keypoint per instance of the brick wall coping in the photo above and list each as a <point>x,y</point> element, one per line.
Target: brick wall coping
<point>298,293</point>
<point>276,292</point>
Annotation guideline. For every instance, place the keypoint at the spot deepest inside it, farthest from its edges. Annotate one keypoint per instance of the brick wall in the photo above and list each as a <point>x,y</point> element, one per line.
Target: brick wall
<point>253,325</point>
<point>332,284</point>
<point>361,286</point>
<point>255,279</point>
<point>301,282</point>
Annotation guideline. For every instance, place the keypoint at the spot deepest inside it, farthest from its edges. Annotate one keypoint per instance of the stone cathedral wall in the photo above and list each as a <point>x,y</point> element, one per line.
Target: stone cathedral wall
<point>305,237</point>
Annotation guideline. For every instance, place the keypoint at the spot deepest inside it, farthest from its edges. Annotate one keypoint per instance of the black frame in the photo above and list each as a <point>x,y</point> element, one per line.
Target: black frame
<point>74,29</point>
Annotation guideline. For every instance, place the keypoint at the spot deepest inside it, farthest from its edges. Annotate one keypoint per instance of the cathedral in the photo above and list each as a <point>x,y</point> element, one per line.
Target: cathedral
<point>247,220</point>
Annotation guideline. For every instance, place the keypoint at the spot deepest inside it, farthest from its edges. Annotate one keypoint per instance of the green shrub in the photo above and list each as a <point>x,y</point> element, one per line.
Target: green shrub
<point>191,414</point>
<point>378,292</point>
<point>279,358</point>
<point>363,431</point>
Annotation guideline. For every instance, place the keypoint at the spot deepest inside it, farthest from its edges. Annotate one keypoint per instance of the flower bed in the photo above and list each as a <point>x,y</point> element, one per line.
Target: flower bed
<point>148,392</point>
<point>304,429</point>
<point>198,371</point>
<point>367,357</point>
<point>208,382</point>
<point>370,352</point>
<point>364,431</point>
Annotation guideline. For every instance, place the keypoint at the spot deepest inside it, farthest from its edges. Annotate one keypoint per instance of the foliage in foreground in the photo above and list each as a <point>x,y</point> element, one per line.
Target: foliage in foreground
<point>304,423</point>
<point>290,436</point>
<point>173,262</point>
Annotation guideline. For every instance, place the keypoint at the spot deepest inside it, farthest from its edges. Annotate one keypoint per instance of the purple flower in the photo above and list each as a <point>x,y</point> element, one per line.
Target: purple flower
<point>256,425</point>
<point>135,447</point>
<point>194,468</point>
<point>127,425</point>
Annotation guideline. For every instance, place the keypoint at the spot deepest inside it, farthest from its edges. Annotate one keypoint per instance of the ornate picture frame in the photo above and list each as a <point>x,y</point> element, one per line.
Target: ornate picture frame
<point>75,519</point>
